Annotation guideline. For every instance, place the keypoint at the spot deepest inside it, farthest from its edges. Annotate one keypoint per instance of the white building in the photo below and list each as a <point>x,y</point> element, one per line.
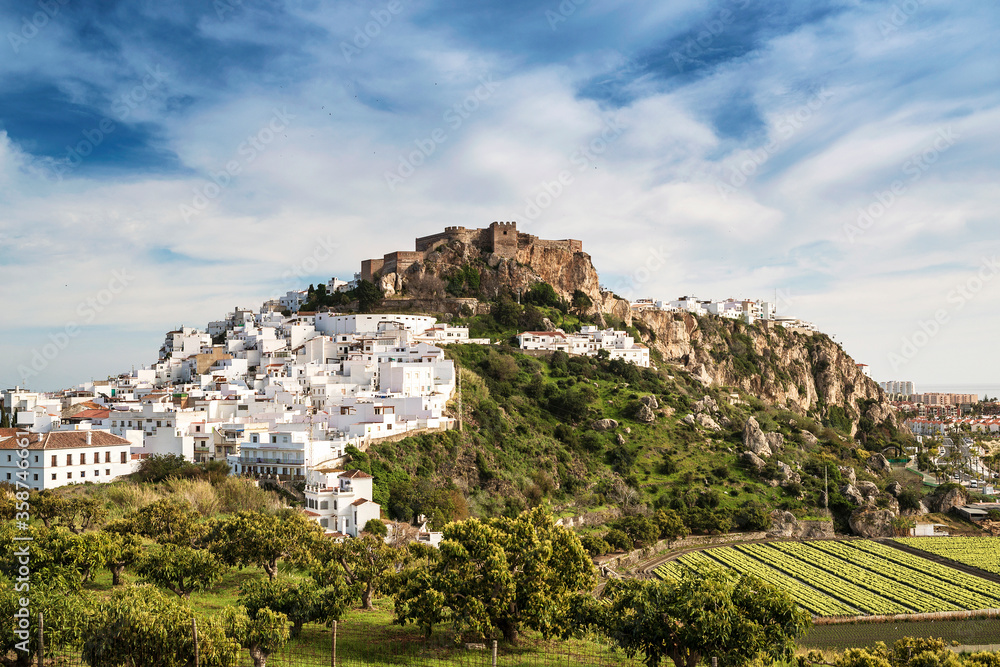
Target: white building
<point>59,458</point>
<point>590,340</point>
<point>341,502</point>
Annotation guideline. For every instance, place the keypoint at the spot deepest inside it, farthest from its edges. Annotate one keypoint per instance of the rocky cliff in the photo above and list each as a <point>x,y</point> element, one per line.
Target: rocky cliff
<point>796,370</point>
<point>565,270</point>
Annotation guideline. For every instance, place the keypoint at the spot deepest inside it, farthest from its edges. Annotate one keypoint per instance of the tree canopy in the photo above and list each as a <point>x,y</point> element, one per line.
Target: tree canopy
<point>706,613</point>
<point>492,577</point>
<point>258,539</point>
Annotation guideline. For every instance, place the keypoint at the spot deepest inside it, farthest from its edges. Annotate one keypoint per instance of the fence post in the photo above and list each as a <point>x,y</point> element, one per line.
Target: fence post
<point>333,646</point>
<point>194,634</point>
<point>494,663</point>
<point>41,639</point>
<point>715,662</point>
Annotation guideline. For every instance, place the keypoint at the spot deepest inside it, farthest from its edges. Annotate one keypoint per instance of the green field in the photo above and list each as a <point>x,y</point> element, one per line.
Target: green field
<point>981,552</point>
<point>853,578</point>
<point>967,632</point>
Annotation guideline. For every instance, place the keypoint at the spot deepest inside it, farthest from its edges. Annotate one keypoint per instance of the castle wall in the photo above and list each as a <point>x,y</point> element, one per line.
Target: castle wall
<point>504,239</point>
<point>370,267</point>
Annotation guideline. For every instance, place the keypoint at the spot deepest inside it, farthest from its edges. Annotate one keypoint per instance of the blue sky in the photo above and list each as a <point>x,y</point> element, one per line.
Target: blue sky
<point>161,163</point>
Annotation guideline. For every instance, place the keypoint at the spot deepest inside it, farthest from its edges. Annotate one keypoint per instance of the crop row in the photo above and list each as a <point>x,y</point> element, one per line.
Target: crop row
<point>808,598</point>
<point>881,585</point>
<point>834,585</point>
<point>981,552</point>
<point>967,581</point>
<point>908,578</point>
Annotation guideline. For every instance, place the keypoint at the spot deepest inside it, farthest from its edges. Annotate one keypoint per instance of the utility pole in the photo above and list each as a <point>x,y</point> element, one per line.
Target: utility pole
<point>826,490</point>
<point>458,373</point>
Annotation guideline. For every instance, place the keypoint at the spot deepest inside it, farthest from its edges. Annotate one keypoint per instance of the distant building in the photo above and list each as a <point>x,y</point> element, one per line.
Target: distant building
<point>59,458</point>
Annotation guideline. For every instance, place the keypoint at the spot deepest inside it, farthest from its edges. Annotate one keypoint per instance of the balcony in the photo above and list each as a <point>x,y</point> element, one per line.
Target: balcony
<point>270,461</point>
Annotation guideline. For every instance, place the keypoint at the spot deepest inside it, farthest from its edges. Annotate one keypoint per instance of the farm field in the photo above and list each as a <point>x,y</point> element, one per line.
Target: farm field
<point>981,552</point>
<point>967,632</point>
<point>854,578</point>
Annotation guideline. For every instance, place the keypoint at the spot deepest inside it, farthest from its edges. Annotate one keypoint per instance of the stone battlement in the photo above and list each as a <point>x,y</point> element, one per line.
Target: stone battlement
<point>500,238</point>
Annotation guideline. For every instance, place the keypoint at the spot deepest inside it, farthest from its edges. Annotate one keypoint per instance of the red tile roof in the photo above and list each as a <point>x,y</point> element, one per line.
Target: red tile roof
<point>356,474</point>
<point>66,440</point>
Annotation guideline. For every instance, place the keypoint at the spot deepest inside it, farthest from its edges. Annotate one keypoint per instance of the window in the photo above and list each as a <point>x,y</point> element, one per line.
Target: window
<point>107,457</point>
<point>97,473</point>
<point>97,457</point>
<point>83,473</point>
<point>36,477</point>
<point>54,463</point>
<point>324,522</point>
<point>324,505</point>
<point>36,458</point>
<point>53,476</point>
<point>124,457</point>
<point>69,475</point>
<point>69,459</point>
<point>107,472</point>
<point>8,475</point>
<point>8,457</point>
<point>158,424</point>
<point>83,458</point>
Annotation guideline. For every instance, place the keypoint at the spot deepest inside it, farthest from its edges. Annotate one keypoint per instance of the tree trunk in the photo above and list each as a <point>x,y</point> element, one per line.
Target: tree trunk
<point>366,597</point>
<point>510,633</point>
<point>271,569</point>
<point>296,628</point>
<point>116,575</point>
<point>259,657</point>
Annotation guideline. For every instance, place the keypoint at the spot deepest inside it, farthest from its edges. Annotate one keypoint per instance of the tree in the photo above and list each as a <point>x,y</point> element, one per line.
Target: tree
<point>640,530</point>
<point>299,602</point>
<point>366,562</point>
<point>670,524</point>
<point>492,577</point>
<point>122,551</point>
<point>581,301</point>
<point>738,619</point>
<point>368,295</point>
<point>170,521</point>
<point>139,625</point>
<point>64,615</point>
<point>4,417</point>
<point>376,527</point>
<point>180,569</point>
<point>258,539</point>
<point>262,633</point>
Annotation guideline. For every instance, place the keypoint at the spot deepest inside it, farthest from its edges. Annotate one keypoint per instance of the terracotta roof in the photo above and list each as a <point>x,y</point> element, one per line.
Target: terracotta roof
<point>310,513</point>
<point>356,474</point>
<point>91,414</point>
<point>359,502</point>
<point>67,440</point>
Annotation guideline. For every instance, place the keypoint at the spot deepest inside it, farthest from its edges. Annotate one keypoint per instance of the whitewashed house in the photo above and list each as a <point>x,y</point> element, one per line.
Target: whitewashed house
<point>59,458</point>
<point>341,502</point>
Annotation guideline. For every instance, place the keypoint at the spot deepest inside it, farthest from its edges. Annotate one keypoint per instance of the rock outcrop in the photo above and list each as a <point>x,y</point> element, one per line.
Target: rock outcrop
<point>949,499</point>
<point>706,421</point>
<point>751,460</point>
<point>847,473</point>
<point>853,496</point>
<point>796,368</point>
<point>878,464</point>
<point>645,414</point>
<point>869,522</point>
<point>754,439</point>
<point>604,425</point>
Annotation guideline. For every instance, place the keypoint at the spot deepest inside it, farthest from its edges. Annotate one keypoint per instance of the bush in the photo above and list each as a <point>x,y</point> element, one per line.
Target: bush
<point>595,546</point>
<point>618,540</point>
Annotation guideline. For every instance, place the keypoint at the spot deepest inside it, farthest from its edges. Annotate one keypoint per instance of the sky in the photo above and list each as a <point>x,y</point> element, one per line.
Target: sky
<point>162,163</point>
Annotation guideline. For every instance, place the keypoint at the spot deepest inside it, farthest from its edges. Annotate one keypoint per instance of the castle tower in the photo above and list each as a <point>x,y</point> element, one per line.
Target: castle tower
<point>504,239</point>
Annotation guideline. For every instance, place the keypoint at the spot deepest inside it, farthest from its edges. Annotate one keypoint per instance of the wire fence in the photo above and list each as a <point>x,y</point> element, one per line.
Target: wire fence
<point>353,645</point>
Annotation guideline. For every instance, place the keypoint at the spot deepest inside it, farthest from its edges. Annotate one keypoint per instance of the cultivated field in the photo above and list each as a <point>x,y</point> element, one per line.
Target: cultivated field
<point>981,552</point>
<point>854,578</point>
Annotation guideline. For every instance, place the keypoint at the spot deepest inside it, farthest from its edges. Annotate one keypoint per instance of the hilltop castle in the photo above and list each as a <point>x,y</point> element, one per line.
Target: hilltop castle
<point>500,238</point>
